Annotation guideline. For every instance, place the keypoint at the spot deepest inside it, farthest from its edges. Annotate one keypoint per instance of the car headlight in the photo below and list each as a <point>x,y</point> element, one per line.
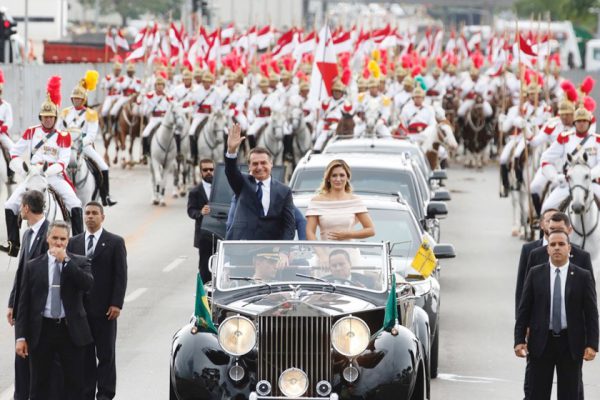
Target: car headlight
<point>293,382</point>
<point>237,335</point>
<point>350,336</point>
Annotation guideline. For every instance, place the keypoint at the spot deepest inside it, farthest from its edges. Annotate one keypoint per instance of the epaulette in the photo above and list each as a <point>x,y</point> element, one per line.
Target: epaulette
<point>551,125</point>
<point>91,115</point>
<point>63,139</point>
<point>65,112</point>
<point>563,137</point>
<point>597,137</point>
<point>386,101</point>
<point>361,97</point>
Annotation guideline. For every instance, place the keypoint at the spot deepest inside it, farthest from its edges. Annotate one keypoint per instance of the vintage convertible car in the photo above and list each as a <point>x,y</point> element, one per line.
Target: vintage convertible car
<point>304,320</point>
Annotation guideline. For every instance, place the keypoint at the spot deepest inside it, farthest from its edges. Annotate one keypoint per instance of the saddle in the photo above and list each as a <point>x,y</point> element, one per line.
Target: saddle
<point>60,203</point>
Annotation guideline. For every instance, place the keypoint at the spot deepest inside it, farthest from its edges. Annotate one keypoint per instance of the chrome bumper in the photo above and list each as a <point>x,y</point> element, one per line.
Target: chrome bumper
<point>255,396</point>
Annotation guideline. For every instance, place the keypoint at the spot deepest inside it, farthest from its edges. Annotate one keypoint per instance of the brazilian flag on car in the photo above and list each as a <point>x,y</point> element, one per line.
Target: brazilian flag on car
<point>202,311</point>
<point>390,318</point>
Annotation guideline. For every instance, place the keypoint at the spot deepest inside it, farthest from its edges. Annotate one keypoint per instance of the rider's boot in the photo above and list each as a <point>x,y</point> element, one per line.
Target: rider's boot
<point>251,141</point>
<point>179,156</point>
<point>146,146</point>
<point>105,191</point>
<point>504,177</point>
<point>518,171</point>
<point>194,149</point>
<point>12,228</point>
<point>76,220</point>
<point>288,147</point>
<point>537,204</point>
<point>11,176</point>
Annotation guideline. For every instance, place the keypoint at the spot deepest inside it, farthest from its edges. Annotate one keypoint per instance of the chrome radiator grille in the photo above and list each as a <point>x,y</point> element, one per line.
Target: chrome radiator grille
<point>300,342</point>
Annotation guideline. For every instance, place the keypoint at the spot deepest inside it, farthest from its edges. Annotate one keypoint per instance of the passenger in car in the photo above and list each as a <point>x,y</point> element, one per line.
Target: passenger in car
<point>340,266</point>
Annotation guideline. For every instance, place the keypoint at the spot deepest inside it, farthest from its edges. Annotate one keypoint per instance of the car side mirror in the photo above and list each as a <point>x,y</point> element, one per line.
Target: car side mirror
<point>441,195</point>
<point>442,251</point>
<point>438,175</point>
<point>436,209</point>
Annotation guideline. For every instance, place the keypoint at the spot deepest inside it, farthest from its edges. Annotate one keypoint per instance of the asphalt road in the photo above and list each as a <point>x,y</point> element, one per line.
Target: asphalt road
<point>476,357</point>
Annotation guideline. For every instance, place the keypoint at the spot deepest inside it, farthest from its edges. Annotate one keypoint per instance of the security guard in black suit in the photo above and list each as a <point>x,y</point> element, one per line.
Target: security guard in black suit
<point>197,208</point>
<point>557,322</point>
<point>104,302</point>
<point>51,319</point>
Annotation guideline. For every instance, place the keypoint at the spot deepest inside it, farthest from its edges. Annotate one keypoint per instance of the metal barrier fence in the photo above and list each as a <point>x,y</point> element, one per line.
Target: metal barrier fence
<point>25,87</point>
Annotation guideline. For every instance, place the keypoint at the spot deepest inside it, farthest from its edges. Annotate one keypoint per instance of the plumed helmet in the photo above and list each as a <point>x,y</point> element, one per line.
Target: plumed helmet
<point>338,86</point>
<point>451,68</point>
<point>208,77</point>
<point>160,80</point>
<point>48,108</point>
<point>581,114</point>
<point>533,89</point>
<point>273,78</point>
<point>418,92</point>
<point>361,82</point>
<point>473,70</point>
<point>373,82</point>
<point>230,76</point>
<point>566,107</point>
<point>285,74</point>
<point>130,67</point>
<point>263,83</point>
<point>401,72</point>
<point>78,92</point>
<point>304,86</point>
<point>186,74</point>
<point>117,66</point>
<point>197,73</point>
<point>408,81</point>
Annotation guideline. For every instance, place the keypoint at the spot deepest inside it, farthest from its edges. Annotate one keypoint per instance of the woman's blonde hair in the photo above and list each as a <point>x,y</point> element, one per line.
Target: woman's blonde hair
<point>326,185</point>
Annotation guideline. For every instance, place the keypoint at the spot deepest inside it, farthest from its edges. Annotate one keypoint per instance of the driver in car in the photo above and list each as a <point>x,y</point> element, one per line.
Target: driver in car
<point>266,265</point>
<point>340,267</point>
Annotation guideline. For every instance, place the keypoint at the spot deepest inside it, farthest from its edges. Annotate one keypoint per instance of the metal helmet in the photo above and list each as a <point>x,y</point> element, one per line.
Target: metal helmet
<point>208,77</point>
<point>197,73</point>
<point>533,88</point>
<point>566,107</point>
<point>285,74</point>
<point>130,67</point>
<point>408,81</point>
<point>436,71</point>
<point>263,83</point>
<point>230,76</point>
<point>48,108</point>
<point>473,70</point>
<point>117,66</point>
<point>160,80</point>
<point>273,78</point>
<point>401,72</point>
<point>581,114</point>
<point>361,82</point>
<point>451,68</point>
<point>79,92</point>
<point>337,86</point>
<point>304,86</point>
<point>186,74</point>
<point>373,82</point>
<point>418,92</point>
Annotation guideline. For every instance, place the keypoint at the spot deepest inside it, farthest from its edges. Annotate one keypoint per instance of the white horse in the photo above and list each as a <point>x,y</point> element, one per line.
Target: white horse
<point>163,151</point>
<point>583,208</point>
<point>272,136</point>
<point>211,140</point>
<point>300,132</point>
<point>441,135</point>
<point>79,173</point>
<point>4,177</point>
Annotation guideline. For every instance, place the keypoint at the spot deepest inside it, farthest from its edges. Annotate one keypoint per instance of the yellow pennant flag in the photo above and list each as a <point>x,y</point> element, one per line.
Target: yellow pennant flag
<point>424,261</point>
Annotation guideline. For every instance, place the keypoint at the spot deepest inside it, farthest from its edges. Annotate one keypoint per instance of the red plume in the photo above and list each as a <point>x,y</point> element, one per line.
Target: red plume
<point>302,76</point>
<point>275,67</point>
<point>1,76</point>
<point>188,65</point>
<point>347,107</point>
<point>163,74</point>
<point>587,85</point>
<point>212,66</point>
<point>366,73</point>
<point>118,58</point>
<point>264,69</point>
<point>288,64</point>
<point>439,62</point>
<point>589,104</point>
<point>416,71</point>
<point>383,68</point>
<point>571,94</point>
<point>567,86</point>
<point>527,76</point>
<point>384,56</point>
<point>346,76</point>
<point>53,89</point>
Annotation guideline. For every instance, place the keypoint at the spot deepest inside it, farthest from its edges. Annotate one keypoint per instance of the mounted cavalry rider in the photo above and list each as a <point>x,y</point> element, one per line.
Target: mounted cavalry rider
<point>417,116</point>
<point>518,118</point>
<point>6,121</point>
<point>183,93</point>
<point>470,89</point>
<point>546,136</point>
<point>436,88</point>
<point>574,143</point>
<point>42,144</point>
<point>79,118</point>
<point>128,86</point>
<point>155,105</point>
<point>374,100</point>
<point>404,96</point>
<point>206,99</point>
<point>260,106</point>
<point>396,85</point>
<point>287,90</point>
<point>110,83</point>
<point>233,98</point>
<point>332,113</point>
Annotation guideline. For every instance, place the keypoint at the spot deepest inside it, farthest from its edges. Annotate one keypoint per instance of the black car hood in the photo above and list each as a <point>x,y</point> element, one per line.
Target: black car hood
<point>304,303</point>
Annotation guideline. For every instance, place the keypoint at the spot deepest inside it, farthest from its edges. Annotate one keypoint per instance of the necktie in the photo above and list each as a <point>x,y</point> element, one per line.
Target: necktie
<point>259,195</point>
<point>556,305</point>
<point>90,245</point>
<point>55,291</point>
<point>28,242</point>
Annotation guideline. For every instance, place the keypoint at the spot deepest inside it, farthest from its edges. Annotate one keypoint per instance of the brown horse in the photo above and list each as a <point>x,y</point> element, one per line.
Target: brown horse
<point>346,125</point>
<point>450,104</point>
<point>129,124</point>
<point>475,134</point>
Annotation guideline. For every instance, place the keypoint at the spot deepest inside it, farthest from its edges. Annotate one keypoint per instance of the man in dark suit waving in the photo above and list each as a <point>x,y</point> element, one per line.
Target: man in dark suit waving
<point>34,245</point>
<point>51,318</point>
<point>104,302</point>
<point>560,311</point>
<point>265,209</point>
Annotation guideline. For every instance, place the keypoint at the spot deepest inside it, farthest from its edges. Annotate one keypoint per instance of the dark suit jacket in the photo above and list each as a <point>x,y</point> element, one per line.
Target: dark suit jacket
<point>39,247</point>
<point>522,272</point>
<point>109,267</point>
<point>196,200</point>
<point>76,279</point>
<point>580,304</point>
<point>248,222</point>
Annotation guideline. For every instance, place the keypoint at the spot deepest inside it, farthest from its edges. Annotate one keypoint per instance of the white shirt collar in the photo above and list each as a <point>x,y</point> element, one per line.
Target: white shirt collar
<point>96,234</point>
<point>562,267</point>
<point>36,227</point>
<point>266,182</point>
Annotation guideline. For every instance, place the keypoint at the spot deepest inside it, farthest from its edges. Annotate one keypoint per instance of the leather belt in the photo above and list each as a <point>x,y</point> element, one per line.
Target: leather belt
<point>416,127</point>
<point>158,113</point>
<point>56,321</point>
<point>557,335</point>
<point>264,112</point>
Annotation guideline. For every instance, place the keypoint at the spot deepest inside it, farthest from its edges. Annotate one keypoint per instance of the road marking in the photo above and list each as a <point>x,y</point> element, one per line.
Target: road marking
<point>469,379</point>
<point>134,295</point>
<point>8,393</point>
<point>174,264</point>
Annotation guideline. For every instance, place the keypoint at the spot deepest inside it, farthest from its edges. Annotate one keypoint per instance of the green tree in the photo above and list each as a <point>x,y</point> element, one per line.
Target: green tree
<point>576,11</point>
<point>128,9</point>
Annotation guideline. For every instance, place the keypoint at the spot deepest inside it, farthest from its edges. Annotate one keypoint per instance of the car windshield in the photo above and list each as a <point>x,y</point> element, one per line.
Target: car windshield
<point>358,265</point>
<point>366,181</point>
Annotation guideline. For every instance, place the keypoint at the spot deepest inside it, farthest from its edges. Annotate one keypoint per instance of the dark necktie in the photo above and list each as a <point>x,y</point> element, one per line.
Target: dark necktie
<point>28,245</point>
<point>88,251</point>
<point>259,195</point>
<point>556,305</point>
<point>55,291</point>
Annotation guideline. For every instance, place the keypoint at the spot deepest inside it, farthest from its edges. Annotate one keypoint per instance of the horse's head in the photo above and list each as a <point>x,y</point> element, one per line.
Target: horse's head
<point>445,135</point>
<point>296,115</point>
<point>278,120</point>
<point>580,179</point>
<point>36,178</point>
<point>219,124</point>
<point>372,114</point>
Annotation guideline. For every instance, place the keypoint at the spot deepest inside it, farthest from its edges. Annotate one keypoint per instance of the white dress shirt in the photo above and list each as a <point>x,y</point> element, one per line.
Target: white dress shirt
<point>94,241</point>
<point>207,188</point>
<point>35,228</point>
<point>563,284</point>
<point>266,198</point>
<point>51,266</point>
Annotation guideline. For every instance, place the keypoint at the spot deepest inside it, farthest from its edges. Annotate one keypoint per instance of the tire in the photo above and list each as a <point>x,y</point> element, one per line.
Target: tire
<point>435,346</point>
<point>420,390</point>
<point>172,394</point>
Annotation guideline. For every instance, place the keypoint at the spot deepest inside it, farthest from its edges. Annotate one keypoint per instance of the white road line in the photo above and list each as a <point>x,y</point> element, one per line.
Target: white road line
<point>8,393</point>
<point>134,295</point>
<point>174,264</point>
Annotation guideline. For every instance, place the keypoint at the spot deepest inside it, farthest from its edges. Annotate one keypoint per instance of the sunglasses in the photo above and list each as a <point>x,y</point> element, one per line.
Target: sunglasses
<point>208,169</point>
